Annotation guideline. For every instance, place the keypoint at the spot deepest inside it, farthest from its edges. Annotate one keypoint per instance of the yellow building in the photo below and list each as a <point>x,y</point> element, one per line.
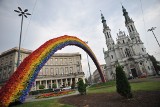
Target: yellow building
<point>61,69</point>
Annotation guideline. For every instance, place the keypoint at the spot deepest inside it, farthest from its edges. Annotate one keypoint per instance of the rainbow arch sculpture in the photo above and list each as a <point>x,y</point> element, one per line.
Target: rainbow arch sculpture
<point>20,83</point>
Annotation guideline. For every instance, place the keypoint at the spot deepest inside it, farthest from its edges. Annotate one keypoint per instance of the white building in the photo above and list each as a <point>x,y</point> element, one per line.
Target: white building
<point>129,51</point>
<point>61,69</point>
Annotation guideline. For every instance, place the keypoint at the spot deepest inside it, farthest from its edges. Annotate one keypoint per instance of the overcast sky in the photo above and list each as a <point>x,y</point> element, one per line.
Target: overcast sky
<point>81,18</point>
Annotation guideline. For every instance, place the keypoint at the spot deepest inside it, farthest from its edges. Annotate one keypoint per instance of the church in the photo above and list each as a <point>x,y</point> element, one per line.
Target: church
<point>128,51</point>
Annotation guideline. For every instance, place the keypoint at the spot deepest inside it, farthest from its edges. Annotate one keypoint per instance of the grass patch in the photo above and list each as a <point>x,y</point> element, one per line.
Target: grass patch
<point>111,87</point>
<point>107,87</point>
<point>45,103</point>
<point>146,86</point>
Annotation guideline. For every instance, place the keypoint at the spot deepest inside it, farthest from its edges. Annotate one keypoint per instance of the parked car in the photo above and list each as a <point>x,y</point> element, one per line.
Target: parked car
<point>66,88</point>
<point>57,89</point>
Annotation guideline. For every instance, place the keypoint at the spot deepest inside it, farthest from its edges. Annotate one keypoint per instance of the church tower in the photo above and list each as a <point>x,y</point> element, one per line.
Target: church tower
<point>129,23</point>
<point>106,31</point>
<point>138,46</point>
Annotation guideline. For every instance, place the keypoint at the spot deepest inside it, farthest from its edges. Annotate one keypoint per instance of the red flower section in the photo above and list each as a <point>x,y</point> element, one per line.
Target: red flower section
<point>61,93</point>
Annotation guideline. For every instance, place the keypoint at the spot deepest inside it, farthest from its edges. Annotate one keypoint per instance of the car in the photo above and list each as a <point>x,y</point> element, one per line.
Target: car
<point>57,89</point>
<point>66,88</point>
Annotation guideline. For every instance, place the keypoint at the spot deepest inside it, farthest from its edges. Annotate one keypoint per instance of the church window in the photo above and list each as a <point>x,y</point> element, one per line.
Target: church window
<point>132,27</point>
<point>127,52</point>
<point>129,29</point>
<point>123,41</point>
<point>108,34</point>
<point>140,63</point>
<point>112,56</point>
<point>142,49</point>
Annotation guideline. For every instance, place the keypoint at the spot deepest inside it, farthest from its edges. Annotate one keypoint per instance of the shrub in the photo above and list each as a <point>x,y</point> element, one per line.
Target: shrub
<point>81,87</point>
<point>40,91</point>
<point>41,86</point>
<point>73,85</point>
<point>54,86</point>
<point>122,84</point>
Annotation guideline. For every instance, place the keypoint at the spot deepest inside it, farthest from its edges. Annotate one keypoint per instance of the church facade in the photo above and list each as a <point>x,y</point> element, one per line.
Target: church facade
<point>128,51</point>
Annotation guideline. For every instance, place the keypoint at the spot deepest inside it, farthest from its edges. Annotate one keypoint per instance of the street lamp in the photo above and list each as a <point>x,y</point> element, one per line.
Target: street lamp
<point>153,28</point>
<point>21,13</point>
<point>89,66</point>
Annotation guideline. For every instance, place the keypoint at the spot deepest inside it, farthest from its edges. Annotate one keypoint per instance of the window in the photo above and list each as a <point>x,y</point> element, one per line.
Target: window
<point>110,34</point>
<point>62,71</point>
<point>57,71</point>
<point>112,56</point>
<point>148,67</point>
<point>123,41</point>
<point>10,63</point>
<point>9,72</point>
<point>61,61</point>
<point>51,61</point>
<point>132,28</point>
<point>71,69</point>
<point>46,71</point>
<point>140,63</point>
<point>129,29</point>
<point>142,49</point>
<point>70,60</point>
<point>65,60</point>
<point>56,61</point>
<point>66,70</point>
<point>52,71</point>
<point>107,34</point>
<point>127,52</point>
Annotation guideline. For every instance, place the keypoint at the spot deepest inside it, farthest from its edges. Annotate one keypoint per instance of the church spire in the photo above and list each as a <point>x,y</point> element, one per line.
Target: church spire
<point>103,21</point>
<point>134,35</point>
<point>106,31</point>
<point>125,14</point>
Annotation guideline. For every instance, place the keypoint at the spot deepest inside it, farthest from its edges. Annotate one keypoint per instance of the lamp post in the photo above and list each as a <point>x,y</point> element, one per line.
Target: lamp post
<point>22,14</point>
<point>153,28</point>
<point>89,67</point>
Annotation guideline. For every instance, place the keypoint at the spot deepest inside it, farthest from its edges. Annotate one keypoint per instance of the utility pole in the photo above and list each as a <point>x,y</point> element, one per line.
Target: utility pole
<point>153,28</point>
<point>23,14</point>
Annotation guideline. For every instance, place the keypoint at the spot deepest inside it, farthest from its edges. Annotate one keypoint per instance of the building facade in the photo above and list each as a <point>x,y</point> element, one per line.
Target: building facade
<point>129,51</point>
<point>61,69</point>
<point>96,76</point>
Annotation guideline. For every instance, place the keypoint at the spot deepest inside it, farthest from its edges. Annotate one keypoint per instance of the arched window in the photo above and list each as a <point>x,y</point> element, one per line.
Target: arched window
<point>129,29</point>
<point>132,28</point>
<point>123,41</point>
<point>108,34</point>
